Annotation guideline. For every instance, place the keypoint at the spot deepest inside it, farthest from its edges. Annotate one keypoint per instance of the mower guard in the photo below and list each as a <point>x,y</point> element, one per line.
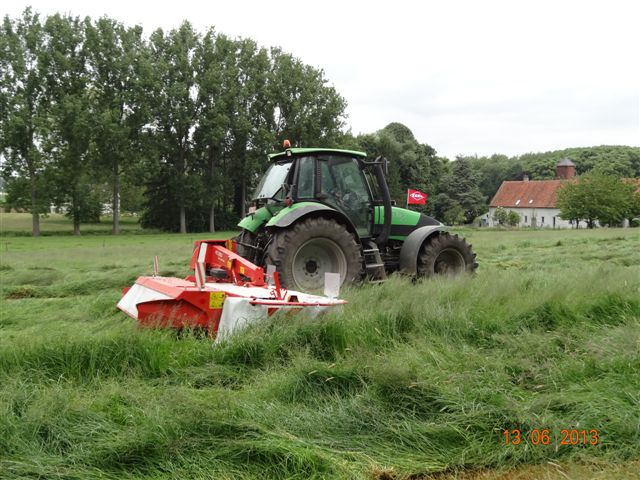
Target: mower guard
<point>226,293</point>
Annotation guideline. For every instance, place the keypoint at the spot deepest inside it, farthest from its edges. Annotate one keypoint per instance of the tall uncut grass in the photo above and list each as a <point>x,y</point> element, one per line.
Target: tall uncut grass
<point>406,380</point>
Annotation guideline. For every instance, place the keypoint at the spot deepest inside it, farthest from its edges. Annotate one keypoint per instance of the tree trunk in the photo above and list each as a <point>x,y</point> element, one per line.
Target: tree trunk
<point>243,202</point>
<point>212,219</point>
<point>212,214</point>
<point>115,229</point>
<point>35,216</point>
<point>183,220</point>
<point>75,209</point>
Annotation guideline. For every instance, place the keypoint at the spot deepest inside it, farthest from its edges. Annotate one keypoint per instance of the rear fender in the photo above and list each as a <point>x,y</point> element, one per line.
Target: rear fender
<point>413,244</point>
<point>290,215</point>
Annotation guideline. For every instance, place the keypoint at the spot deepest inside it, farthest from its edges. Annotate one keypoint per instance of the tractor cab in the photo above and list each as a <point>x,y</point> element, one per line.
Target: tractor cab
<point>340,179</point>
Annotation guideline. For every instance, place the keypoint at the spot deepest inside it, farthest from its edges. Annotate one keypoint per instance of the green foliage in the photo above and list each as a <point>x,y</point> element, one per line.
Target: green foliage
<point>70,114</point>
<point>23,113</point>
<point>615,160</point>
<point>19,194</point>
<point>513,218</point>
<point>102,105</point>
<point>506,217</point>
<point>411,164</point>
<point>597,197</point>
<point>88,203</point>
<point>119,66</point>
<point>461,193</point>
<point>454,215</point>
<point>246,99</point>
<point>501,215</point>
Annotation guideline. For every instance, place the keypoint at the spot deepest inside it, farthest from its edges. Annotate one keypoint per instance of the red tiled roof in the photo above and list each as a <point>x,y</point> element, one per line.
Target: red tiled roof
<point>533,193</point>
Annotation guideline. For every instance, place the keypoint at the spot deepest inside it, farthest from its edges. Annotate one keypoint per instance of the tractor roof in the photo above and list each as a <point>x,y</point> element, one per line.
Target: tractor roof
<point>301,151</point>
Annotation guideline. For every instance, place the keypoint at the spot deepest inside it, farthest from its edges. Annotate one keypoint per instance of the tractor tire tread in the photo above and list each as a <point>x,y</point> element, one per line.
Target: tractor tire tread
<point>432,248</point>
<point>284,241</point>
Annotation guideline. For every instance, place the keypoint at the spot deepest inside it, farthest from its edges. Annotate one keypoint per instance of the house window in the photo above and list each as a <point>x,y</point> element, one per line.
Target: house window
<point>542,218</point>
<point>525,219</point>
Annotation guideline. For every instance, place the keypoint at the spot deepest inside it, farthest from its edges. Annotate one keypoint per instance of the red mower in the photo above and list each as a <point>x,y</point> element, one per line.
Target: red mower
<point>226,293</point>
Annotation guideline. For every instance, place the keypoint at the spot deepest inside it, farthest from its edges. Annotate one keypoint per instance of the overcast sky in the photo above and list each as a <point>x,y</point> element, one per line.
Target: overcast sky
<point>468,77</point>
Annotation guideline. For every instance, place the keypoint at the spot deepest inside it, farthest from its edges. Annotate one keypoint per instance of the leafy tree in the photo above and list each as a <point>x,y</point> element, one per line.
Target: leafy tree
<point>411,164</point>
<point>461,187</point>
<point>64,56</point>
<point>23,110</point>
<point>613,160</point>
<point>506,217</point>
<point>596,197</point>
<point>501,215</point>
<point>251,133</point>
<point>175,112</point>
<point>214,58</point>
<point>513,219</point>
<point>493,170</point>
<point>120,71</point>
<point>454,215</point>
<point>307,110</point>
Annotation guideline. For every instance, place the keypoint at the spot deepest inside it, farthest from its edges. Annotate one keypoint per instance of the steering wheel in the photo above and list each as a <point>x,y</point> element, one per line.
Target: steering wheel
<point>351,200</point>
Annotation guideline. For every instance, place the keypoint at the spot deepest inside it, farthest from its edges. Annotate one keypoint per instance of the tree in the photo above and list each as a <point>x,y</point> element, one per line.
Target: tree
<point>64,56</point>
<point>213,58</point>
<point>251,117</point>
<point>411,164</point>
<point>175,112</point>
<point>513,218</point>
<point>23,109</point>
<point>307,110</point>
<point>506,217</point>
<point>120,71</point>
<point>596,197</point>
<point>461,187</point>
<point>454,215</point>
<point>501,215</point>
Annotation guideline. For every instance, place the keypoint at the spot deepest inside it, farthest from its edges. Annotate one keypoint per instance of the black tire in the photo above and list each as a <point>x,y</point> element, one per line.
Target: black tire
<point>304,252</point>
<point>246,237</point>
<point>446,254</point>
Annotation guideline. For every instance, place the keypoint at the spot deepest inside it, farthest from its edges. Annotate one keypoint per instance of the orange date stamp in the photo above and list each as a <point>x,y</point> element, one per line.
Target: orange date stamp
<point>544,436</point>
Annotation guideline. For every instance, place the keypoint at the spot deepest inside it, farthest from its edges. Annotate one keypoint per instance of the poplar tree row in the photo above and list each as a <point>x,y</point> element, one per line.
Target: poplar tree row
<point>93,110</point>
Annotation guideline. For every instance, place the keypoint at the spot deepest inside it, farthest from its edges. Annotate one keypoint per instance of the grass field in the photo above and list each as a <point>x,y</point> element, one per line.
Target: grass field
<point>408,381</point>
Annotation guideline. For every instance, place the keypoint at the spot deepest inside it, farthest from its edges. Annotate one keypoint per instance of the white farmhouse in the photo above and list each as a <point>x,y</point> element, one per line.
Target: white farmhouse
<point>535,200</point>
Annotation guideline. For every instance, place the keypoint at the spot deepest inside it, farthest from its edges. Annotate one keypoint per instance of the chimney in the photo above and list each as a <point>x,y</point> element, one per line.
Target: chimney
<point>565,169</point>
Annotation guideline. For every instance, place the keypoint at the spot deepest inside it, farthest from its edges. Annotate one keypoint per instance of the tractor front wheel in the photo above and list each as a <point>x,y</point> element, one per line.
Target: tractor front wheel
<point>446,254</point>
<point>302,254</point>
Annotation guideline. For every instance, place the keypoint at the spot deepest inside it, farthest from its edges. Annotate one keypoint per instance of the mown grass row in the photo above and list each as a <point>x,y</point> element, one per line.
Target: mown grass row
<point>407,379</point>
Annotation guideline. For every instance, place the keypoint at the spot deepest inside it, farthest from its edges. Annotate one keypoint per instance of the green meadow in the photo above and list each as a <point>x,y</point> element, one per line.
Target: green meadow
<point>407,381</point>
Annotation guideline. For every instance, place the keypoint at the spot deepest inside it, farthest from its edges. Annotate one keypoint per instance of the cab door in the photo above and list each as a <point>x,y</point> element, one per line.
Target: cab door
<point>343,186</point>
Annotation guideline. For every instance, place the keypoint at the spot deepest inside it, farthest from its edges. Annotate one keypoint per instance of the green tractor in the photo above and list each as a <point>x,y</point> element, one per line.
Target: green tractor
<point>319,210</point>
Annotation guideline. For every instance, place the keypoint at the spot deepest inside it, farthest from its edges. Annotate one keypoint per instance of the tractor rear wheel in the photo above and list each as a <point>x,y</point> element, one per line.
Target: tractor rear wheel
<point>302,254</point>
<point>446,254</point>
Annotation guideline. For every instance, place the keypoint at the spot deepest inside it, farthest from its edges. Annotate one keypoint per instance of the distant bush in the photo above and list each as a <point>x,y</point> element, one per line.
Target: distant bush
<point>506,217</point>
